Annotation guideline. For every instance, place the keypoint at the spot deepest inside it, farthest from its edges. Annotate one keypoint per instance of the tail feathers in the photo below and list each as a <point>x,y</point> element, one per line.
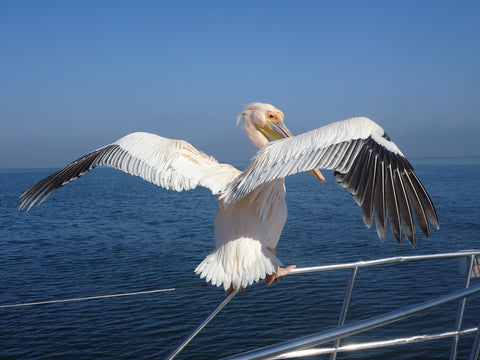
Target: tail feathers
<point>237,264</point>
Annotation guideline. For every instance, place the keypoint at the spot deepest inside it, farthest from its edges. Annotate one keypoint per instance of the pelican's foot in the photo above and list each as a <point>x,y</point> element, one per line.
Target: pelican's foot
<point>280,272</point>
<point>270,278</point>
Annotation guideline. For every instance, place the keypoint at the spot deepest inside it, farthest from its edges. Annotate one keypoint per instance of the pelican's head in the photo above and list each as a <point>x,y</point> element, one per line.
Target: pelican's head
<point>264,123</point>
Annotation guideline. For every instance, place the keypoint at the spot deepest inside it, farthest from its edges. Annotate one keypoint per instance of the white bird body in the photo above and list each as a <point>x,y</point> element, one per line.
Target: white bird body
<point>252,210</point>
<point>244,233</point>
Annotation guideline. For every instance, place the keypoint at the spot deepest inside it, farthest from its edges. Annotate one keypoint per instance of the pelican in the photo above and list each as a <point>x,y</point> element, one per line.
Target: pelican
<point>251,204</point>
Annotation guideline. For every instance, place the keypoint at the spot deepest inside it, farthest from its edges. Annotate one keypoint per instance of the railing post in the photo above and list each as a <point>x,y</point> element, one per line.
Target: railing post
<point>204,323</point>
<point>346,303</point>
<point>461,309</point>
<point>476,345</point>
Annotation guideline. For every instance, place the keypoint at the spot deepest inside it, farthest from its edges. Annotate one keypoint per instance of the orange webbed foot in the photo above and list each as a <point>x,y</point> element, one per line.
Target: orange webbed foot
<point>270,278</point>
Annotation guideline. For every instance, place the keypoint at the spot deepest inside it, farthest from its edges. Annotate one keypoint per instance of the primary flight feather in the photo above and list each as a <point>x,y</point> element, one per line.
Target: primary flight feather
<point>251,204</point>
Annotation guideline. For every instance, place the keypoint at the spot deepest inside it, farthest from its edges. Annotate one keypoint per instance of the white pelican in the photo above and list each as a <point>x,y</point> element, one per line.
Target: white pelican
<point>251,204</point>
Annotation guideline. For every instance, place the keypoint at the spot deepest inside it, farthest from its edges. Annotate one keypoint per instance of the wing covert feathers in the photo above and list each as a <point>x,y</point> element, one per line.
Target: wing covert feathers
<point>365,161</point>
<point>172,164</point>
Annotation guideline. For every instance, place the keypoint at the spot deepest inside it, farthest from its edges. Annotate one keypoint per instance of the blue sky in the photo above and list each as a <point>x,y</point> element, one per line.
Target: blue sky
<point>77,75</point>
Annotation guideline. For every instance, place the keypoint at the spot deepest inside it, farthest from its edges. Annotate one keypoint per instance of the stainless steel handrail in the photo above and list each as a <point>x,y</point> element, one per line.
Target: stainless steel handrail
<point>390,260</point>
<point>373,344</point>
<point>352,329</point>
<point>296,348</point>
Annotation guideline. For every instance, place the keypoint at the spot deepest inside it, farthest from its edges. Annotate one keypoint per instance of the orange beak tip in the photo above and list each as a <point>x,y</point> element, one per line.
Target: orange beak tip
<point>318,175</point>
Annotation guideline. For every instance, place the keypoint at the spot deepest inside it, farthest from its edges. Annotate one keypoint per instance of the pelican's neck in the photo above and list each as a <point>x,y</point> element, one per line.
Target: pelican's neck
<point>255,136</point>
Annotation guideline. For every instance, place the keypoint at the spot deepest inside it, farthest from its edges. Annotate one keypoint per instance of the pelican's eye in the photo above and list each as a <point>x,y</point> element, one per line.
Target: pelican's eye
<point>273,117</point>
<point>270,116</point>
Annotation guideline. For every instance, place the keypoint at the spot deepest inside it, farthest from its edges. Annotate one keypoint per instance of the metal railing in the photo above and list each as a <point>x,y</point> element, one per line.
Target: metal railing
<point>305,345</point>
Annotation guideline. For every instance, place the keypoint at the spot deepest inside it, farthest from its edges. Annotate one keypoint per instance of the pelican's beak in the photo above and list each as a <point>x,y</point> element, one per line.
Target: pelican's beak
<point>275,129</point>
<point>318,175</point>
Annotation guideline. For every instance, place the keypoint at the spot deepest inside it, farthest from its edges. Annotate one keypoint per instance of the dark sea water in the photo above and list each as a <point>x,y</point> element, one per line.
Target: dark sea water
<point>110,233</point>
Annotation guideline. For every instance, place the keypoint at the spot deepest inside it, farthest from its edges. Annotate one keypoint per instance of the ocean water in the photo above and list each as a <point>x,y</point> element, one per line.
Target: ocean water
<point>110,233</point>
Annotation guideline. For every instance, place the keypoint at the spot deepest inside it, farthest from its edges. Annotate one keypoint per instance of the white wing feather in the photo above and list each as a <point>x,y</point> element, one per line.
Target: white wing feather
<point>172,164</point>
<point>329,147</point>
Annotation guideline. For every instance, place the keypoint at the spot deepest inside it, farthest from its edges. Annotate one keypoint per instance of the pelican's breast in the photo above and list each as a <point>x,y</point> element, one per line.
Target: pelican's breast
<point>260,215</point>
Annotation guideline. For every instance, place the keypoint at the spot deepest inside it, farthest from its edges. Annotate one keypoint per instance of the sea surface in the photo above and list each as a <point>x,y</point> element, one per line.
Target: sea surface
<point>111,233</point>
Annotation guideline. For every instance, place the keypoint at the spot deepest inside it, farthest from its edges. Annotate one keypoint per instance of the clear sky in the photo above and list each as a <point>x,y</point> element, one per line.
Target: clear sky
<point>77,75</point>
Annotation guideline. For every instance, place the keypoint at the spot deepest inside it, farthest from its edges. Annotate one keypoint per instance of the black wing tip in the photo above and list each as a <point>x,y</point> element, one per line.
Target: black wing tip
<point>403,211</point>
<point>38,192</point>
<point>22,205</point>
<point>28,198</point>
<point>34,195</point>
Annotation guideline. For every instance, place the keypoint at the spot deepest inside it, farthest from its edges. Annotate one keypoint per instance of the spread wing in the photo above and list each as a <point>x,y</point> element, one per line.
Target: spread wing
<point>365,161</point>
<point>172,164</point>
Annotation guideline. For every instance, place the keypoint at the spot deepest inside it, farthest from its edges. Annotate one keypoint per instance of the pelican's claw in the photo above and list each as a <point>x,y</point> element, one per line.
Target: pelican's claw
<point>280,272</point>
